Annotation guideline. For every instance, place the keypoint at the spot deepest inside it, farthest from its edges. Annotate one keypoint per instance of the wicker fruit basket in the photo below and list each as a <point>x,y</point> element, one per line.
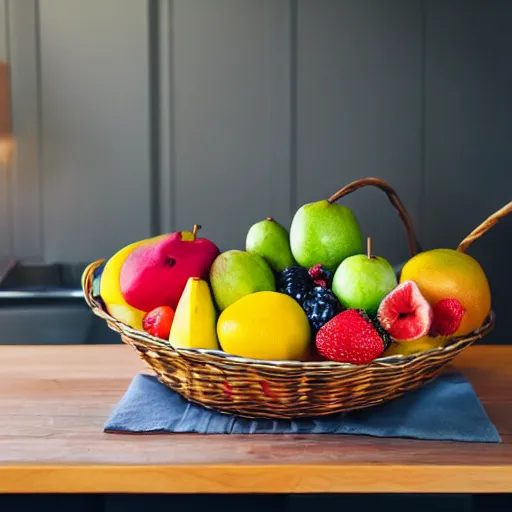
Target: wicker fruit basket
<point>293,389</point>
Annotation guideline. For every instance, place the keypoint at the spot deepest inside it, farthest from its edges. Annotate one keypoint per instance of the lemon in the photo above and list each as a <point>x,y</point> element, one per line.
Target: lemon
<point>449,274</point>
<point>265,325</point>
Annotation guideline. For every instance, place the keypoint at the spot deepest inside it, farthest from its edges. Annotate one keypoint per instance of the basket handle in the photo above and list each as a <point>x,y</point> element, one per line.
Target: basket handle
<point>86,280</point>
<point>393,198</point>
<point>486,225</point>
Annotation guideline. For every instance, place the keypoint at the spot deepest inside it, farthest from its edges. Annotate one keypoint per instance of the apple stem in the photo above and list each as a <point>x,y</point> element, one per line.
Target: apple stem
<point>270,219</point>
<point>369,247</point>
<point>194,231</point>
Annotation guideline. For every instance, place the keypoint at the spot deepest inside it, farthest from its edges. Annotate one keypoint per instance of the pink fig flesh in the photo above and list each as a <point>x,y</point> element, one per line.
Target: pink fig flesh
<point>405,313</point>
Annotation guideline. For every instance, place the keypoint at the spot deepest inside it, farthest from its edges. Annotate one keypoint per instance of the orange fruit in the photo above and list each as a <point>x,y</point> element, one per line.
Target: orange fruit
<point>450,274</point>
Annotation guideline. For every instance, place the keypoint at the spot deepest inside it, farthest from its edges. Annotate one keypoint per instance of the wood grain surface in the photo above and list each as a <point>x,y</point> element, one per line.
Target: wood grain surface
<point>55,400</point>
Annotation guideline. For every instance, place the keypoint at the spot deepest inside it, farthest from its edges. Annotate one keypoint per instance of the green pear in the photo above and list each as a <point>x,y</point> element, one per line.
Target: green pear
<point>236,273</point>
<point>271,241</point>
<point>324,233</point>
<point>363,280</point>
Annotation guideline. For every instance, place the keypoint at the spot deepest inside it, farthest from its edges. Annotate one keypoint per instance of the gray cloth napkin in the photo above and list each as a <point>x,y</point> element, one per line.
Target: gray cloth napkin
<point>444,409</point>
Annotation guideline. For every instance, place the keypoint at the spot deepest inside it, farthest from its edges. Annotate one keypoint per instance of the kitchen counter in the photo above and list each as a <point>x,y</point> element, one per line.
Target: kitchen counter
<point>54,401</point>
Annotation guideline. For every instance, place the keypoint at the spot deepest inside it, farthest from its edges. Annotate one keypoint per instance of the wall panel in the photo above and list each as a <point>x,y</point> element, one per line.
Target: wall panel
<point>468,134</point>
<point>359,108</point>
<point>231,115</point>
<point>95,126</point>
<point>26,173</point>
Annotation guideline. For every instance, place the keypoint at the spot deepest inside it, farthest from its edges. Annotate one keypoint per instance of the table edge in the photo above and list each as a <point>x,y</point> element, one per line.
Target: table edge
<point>274,479</point>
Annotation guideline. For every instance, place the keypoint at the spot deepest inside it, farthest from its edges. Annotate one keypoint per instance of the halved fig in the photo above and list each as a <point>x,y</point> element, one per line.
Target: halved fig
<point>405,313</point>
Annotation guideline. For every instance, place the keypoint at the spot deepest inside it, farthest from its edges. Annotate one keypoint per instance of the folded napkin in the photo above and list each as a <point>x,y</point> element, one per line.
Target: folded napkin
<point>444,409</point>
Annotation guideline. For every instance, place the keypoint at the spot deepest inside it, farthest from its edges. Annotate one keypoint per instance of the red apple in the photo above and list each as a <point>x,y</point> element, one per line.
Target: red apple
<point>155,275</point>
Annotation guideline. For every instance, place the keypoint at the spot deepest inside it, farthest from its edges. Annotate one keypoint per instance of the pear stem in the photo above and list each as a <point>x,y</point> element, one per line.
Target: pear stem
<point>369,248</point>
<point>194,231</point>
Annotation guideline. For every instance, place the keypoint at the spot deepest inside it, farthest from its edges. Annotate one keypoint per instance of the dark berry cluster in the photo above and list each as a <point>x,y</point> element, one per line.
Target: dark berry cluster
<point>295,282</point>
<point>320,306</point>
<point>311,289</point>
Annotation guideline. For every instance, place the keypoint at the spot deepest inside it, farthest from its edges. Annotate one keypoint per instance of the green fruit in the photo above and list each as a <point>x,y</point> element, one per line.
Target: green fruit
<point>271,241</point>
<point>361,282</point>
<point>235,274</point>
<point>324,233</point>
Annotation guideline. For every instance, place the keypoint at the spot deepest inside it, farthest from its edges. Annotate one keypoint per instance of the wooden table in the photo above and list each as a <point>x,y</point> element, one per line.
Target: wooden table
<point>54,401</point>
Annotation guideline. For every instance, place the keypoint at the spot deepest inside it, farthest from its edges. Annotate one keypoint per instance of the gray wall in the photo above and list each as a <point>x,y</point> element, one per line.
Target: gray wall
<point>136,117</point>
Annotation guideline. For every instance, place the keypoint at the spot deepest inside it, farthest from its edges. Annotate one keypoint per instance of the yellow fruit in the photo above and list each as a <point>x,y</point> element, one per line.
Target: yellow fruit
<point>110,287</point>
<point>446,273</point>
<point>265,325</point>
<point>414,347</point>
<point>194,324</point>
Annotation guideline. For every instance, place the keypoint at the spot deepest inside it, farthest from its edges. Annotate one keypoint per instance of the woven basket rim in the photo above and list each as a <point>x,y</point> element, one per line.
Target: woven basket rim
<point>399,360</point>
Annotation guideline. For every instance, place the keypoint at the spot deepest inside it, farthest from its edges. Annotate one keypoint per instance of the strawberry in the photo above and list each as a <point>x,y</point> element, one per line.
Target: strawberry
<point>447,317</point>
<point>158,322</point>
<point>352,337</point>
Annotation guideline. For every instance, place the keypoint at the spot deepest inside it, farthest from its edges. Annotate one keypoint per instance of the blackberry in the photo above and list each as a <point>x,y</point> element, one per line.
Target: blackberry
<point>321,275</point>
<point>320,306</point>
<point>295,282</point>
<point>386,338</point>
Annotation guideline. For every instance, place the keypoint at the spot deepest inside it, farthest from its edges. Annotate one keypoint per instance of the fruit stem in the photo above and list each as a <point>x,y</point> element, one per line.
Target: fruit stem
<point>270,219</point>
<point>369,248</point>
<point>194,231</point>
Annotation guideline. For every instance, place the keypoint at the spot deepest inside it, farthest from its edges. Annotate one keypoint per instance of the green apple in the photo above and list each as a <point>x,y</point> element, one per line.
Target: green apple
<point>271,241</point>
<point>235,274</point>
<point>324,233</point>
<point>363,280</point>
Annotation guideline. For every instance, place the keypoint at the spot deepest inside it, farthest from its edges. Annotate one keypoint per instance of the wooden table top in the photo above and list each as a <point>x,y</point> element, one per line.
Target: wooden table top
<point>55,400</point>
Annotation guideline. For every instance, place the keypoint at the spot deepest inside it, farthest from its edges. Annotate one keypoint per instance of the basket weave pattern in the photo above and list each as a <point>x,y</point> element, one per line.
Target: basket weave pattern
<point>270,389</point>
<point>275,389</point>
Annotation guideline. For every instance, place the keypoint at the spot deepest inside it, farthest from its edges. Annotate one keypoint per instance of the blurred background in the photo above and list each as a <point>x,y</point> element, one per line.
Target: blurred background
<point>121,119</point>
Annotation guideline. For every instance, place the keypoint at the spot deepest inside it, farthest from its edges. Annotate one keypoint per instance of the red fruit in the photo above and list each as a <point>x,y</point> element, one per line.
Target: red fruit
<point>316,271</point>
<point>447,317</point>
<point>405,313</point>
<point>156,274</point>
<point>319,275</point>
<point>158,322</point>
<point>351,337</point>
